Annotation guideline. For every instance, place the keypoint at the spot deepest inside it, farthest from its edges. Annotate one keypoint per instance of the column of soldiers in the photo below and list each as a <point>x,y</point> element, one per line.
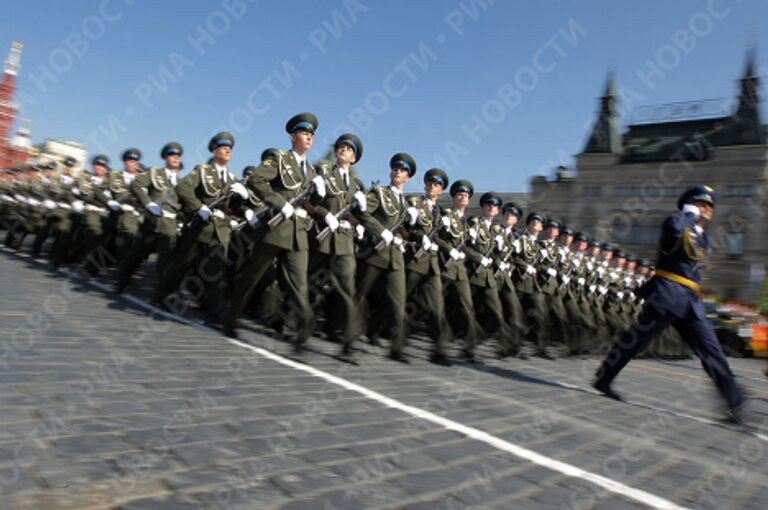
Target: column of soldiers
<point>310,248</point>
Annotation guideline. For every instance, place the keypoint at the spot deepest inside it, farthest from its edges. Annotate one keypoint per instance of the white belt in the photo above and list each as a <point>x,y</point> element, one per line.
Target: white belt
<point>64,205</point>
<point>93,208</point>
<point>169,215</point>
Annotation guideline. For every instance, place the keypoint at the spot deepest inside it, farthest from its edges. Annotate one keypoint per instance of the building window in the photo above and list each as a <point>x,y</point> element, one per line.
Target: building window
<point>592,191</point>
<point>734,244</point>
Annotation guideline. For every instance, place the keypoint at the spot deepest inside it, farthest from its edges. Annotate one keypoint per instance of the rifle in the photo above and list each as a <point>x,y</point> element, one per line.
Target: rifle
<point>213,205</point>
<point>343,213</point>
<point>504,261</point>
<point>397,226</point>
<point>431,236</point>
<point>486,255</point>
<point>279,217</point>
<point>242,223</point>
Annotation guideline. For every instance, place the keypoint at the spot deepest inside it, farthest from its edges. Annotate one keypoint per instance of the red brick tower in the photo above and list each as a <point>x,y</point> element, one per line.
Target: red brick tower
<point>10,155</point>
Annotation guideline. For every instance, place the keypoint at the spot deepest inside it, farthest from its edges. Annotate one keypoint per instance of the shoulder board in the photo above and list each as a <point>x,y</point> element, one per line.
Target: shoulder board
<point>204,166</point>
<point>414,201</point>
<point>447,210</point>
<point>497,229</point>
<point>473,220</point>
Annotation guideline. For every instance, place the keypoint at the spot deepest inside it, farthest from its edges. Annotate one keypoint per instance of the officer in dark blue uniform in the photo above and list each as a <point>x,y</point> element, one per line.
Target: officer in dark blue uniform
<point>671,299</point>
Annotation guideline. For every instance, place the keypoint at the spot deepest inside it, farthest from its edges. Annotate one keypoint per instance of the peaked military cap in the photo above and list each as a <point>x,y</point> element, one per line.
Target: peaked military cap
<point>100,159</point>
<point>405,161</point>
<point>490,198</point>
<point>171,149</point>
<point>594,242</point>
<point>512,208</point>
<point>605,246</point>
<point>306,121</point>
<point>631,258</point>
<point>581,236</point>
<point>567,231</point>
<point>644,263</point>
<point>462,186</point>
<point>70,161</point>
<point>553,223</point>
<point>700,193</point>
<point>270,153</point>
<point>533,215</point>
<point>436,175</point>
<point>248,171</point>
<point>132,153</point>
<point>620,253</point>
<point>222,139</point>
<point>352,142</point>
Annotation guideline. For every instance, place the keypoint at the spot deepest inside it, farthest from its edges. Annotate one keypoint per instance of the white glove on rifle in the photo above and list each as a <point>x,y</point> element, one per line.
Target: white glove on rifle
<point>300,212</point>
<point>78,206</point>
<point>454,253</point>
<point>49,204</point>
<point>232,224</point>
<point>485,261</point>
<point>218,213</point>
<point>251,217</point>
<point>204,213</point>
<point>114,205</point>
<point>360,230</point>
<point>398,241</point>
<point>387,236</point>
<point>362,202</point>
<point>240,190</point>
<point>287,210</point>
<point>413,215</point>
<point>76,191</point>
<point>127,208</point>
<point>319,184</point>
<point>446,221</point>
<point>499,243</point>
<point>426,244</point>
<point>530,270</point>
<point>551,272</point>
<point>154,209</point>
<point>332,221</point>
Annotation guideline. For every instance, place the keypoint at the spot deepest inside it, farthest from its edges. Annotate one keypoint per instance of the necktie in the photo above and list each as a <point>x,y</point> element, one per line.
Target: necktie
<point>345,176</point>
<point>304,167</point>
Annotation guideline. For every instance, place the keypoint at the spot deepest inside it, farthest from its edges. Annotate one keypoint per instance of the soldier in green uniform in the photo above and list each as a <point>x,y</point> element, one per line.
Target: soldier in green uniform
<point>548,273</point>
<point>504,265</point>
<point>527,284</point>
<point>18,214</point>
<point>92,206</point>
<point>155,190</point>
<point>67,193</point>
<point>452,242</point>
<point>483,244</point>
<point>332,257</point>
<point>204,195</point>
<point>122,224</point>
<point>49,186</point>
<point>423,281</point>
<point>576,304</point>
<point>383,219</point>
<point>286,184</point>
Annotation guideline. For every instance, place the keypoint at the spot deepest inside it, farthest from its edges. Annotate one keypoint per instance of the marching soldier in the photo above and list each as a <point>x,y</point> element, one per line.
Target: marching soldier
<point>452,242</point>
<point>67,193</point>
<point>484,241</point>
<point>204,195</point>
<point>286,184</point>
<point>423,281</point>
<point>383,219</point>
<point>48,190</point>
<point>672,300</point>
<point>548,272</point>
<point>122,224</point>
<point>90,221</point>
<point>332,256</point>
<point>155,190</point>
<point>504,265</point>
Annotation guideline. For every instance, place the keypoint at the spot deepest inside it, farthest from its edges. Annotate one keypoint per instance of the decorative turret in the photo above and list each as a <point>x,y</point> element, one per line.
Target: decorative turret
<point>606,134</point>
<point>746,125</point>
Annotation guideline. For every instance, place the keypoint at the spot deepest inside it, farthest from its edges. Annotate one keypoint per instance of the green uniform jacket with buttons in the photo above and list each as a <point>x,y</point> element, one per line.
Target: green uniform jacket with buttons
<point>202,186</point>
<point>428,219</point>
<point>478,245</point>
<point>276,182</point>
<point>383,211</point>
<point>155,186</point>
<point>337,196</point>
<point>547,260</point>
<point>450,238</point>
<point>124,221</point>
<point>528,256</point>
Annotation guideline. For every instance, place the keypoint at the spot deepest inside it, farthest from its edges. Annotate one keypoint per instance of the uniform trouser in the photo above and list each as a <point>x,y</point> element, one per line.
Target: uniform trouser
<point>41,237</point>
<point>513,310</point>
<point>208,279</point>
<point>461,309</point>
<point>425,296</point>
<point>146,243</point>
<point>394,287</point>
<point>292,266</point>
<point>579,326</point>
<point>535,306</point>
<point>696,332</point>
<point>487,299</point>
<point>335,273</point>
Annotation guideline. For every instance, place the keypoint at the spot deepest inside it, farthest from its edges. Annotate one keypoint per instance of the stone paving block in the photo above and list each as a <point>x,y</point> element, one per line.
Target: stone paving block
<point>433,480</point>
<point>298,483</point>
<point>173,502</point>
<point>92,444</point>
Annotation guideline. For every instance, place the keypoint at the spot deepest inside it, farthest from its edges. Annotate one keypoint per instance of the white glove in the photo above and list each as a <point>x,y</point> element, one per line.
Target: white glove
<point>154,209</point>
<point>592,288</point>
<point>301,212</point>
<point>387,236</point>
<point>516,245</point>
<point>499,243</point>
<point>530,270</point>
<point>332,221</point>
<point>426,244</point>
<point>239,189</point>
<point>233,224</point>
<point>319,183</point>
<point>566,280</point>
<point>78,206</point>
<point>413,215</point>
<point>398,241</point>
<point>127,208</point>
<point>33,202</point>
<point>503,266</point>
<point>590,266</point>
<point>544,253</point>
<point>360,230</point>
<point>218,213</point>
<point>114,205</point>
<point>691,209</point>
<point>620,295</point>
<point>603,290</point>
<point>613,276</point>
<point>20,198</point>
<point>485,261</point>
<point>251,217</point>
<point>433,247</point>
<point>446,221</point>
<point>454,253</point>
<point>581,281</point>
<point>204,213</point>
<point>551,272</point>
<point>76,191</point>
<point>473,233</point>
<point>462,255</point>
<point>287,210</point>
<point>49,204</point>
<point>362,202</point>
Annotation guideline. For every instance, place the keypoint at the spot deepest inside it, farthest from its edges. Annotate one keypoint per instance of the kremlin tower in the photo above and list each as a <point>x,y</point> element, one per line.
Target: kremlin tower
<point>14,151</point>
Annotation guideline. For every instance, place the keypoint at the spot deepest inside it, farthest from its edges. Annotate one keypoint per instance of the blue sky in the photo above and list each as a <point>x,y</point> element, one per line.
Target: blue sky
<point>495,92</point>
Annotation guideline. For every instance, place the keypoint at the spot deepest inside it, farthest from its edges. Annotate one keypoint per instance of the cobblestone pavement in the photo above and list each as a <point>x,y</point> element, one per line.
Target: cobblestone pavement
<point>106,406</point>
